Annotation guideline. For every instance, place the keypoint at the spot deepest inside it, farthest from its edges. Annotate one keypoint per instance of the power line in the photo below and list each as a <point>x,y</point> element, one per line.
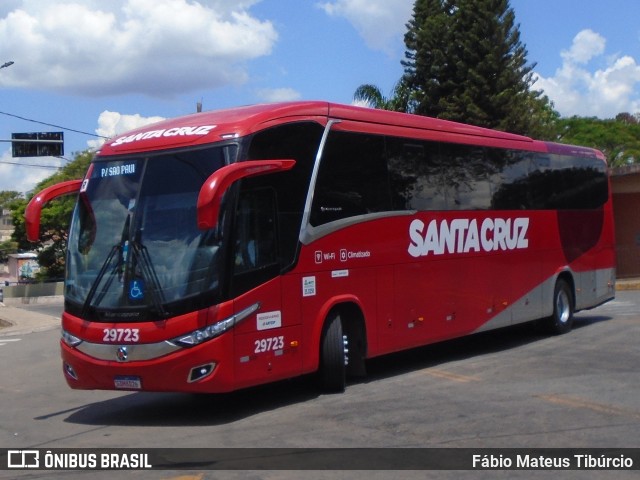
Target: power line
<point>52,125</point>
<point>51,167</point>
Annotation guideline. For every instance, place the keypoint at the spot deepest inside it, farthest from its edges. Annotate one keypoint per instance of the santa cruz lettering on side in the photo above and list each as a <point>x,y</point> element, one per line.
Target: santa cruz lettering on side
<point>463,235</point>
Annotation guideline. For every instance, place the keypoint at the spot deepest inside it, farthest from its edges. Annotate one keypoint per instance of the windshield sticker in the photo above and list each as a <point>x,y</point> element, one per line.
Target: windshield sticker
<point>165,132</point>
<point>339,273</point>
<point>136,290</point>
<point>308,286</point>
<point>117,170</point>
<point>269,320</point>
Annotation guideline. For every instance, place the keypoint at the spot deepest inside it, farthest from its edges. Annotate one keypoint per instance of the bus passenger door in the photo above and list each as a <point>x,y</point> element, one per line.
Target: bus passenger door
<point>265,342</point>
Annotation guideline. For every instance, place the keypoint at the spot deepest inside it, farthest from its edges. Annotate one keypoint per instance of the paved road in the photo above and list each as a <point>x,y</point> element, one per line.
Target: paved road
<point>53,309</point>
<point>511,388</point>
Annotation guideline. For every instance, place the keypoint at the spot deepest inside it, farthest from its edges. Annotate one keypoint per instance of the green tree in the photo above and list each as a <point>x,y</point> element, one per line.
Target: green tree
<point>544,118</point>
<point>618,139</point>
<point>7,197</point>
<point>55,220</point>
<point>465,62</point>
<point>7,201</point>
<point>428,65</point>
<point>626,117</point>
<point>373,97</point>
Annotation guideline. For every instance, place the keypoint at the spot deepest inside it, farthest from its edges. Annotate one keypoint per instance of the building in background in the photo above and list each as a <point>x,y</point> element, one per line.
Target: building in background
<point>625,183</point>
<point>6,229</point>
<point>6,225</point>
<point>23,267</point>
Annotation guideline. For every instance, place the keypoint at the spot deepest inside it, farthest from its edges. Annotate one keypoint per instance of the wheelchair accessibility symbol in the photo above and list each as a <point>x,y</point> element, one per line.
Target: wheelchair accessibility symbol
<point>136,290</point>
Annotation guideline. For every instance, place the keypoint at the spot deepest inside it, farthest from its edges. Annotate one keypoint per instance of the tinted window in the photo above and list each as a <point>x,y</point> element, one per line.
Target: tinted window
<point>300,142</point>
<point>510,179</point>
<point>466,176</point>
<point>255,257</point>
<point>564,182</point>
<point>352,179</point>
<point>364,173</point>
<point>433,176</point>
<point>417,174</point>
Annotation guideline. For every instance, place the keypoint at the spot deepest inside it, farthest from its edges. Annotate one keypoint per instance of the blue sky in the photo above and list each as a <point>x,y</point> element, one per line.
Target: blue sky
<point>106,67</point>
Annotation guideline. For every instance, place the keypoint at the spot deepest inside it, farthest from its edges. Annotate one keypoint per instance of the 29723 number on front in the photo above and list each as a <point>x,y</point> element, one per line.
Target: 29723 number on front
<point>121,335</point>
<point>269,344</point>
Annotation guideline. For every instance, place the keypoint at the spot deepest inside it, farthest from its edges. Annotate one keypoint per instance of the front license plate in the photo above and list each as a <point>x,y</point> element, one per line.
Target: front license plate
<point>127,383</point>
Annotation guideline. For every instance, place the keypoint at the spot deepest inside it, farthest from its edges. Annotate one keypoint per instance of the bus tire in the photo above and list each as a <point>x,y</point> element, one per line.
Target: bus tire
<point>333,369</point>
<point>561,320</point>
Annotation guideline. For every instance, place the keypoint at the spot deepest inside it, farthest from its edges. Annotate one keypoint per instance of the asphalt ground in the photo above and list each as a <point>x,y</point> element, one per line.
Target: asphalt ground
<point>21,319</point>
<point>515,388</point>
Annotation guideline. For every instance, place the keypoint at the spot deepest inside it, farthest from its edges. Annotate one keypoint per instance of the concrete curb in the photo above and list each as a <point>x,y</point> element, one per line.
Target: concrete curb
<point>628,284</point>
<point>22,322</point>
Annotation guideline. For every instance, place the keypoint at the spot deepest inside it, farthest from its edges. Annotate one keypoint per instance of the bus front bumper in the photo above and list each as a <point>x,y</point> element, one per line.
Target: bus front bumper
<point>156,368</point>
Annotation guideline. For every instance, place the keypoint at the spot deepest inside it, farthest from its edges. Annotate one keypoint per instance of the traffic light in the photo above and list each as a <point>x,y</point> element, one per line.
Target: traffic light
<point>41,144</point>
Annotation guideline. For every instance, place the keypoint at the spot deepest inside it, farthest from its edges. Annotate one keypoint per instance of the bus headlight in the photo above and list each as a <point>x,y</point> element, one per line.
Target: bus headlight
<point>212,331</point>
<point>70,340</point>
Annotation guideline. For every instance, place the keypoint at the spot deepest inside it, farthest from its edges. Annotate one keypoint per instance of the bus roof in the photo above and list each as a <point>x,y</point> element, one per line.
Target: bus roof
<point>214,126</point>
<point>574,150</point>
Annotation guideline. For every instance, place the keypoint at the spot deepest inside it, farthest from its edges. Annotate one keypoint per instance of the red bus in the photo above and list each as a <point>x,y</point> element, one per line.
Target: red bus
<point>232,248</point>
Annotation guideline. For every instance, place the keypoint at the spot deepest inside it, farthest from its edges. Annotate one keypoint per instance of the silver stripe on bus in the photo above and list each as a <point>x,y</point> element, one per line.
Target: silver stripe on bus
<point>135,352</point>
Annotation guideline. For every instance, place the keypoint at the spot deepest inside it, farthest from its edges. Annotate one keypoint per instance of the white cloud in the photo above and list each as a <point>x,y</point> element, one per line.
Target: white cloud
<point>111,124</point>
<point>586,45</point>
<point>379,22</point>
<point>590,84</point>
<point>278,94</point>
<point>158,47</point>
<point>22,174</point>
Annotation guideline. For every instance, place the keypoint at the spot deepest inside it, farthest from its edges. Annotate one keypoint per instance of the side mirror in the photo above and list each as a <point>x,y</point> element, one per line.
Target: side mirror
<point>211,193</point>
<point>34,208</point>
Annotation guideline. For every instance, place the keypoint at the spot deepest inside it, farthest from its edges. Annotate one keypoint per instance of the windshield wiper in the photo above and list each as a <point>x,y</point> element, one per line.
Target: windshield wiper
<point>141,255</point>
<point>118,249</point>
<point>115,250</point>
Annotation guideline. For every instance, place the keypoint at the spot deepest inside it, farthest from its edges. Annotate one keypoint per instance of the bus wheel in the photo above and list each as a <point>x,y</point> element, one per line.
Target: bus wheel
<point>561,320</point>
<point>333,356</point>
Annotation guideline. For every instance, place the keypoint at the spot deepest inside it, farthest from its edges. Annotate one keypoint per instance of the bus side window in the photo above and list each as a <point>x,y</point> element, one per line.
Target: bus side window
<point>353,178</point>
<point>255,239</point>
<point>416,173</point>
<point>513,179</point>
<point>573,183</point>
<point>300,142</point>
<point>466,177</point>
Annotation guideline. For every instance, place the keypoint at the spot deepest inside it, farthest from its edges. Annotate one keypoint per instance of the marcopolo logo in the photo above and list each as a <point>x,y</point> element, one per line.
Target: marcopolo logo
<point>462,235</point>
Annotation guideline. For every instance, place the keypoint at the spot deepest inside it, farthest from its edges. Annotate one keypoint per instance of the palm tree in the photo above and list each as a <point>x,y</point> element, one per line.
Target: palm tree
<point>372,96</point>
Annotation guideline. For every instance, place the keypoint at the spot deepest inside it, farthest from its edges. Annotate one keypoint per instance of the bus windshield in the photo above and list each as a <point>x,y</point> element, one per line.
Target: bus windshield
<point>135,251</point>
